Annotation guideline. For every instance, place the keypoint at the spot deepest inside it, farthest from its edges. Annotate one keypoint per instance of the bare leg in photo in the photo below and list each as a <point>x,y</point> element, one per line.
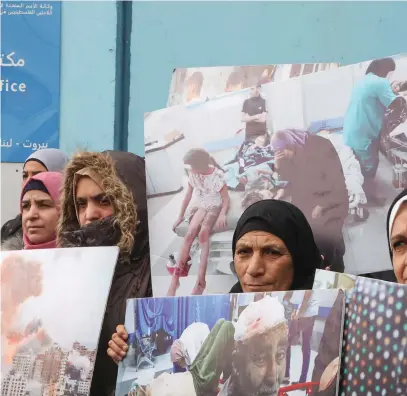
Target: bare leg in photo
<point>204,244</point>
<point>193,229</point>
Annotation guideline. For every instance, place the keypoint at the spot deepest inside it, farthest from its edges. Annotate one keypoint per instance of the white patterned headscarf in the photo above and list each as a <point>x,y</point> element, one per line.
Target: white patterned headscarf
<point>259,317</point>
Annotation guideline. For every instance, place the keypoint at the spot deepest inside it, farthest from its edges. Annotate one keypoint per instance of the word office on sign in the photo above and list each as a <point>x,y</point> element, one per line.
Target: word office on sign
<point>6,85</point>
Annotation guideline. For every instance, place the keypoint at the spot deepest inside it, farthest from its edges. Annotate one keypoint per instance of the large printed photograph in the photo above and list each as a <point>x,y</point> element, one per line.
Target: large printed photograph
<point>51,316</point>
<point>333,143</point>
<point>198,84</point>
<point>274,344</point>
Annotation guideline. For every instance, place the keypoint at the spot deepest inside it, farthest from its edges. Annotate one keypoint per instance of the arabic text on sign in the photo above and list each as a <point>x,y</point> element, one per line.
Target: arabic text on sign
<point>8,61</point>
<point>26,144</point>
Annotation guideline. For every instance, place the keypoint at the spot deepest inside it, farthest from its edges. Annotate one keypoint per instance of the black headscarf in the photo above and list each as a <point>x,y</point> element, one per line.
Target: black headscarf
<point>391,214</point>
<point>288,223</point>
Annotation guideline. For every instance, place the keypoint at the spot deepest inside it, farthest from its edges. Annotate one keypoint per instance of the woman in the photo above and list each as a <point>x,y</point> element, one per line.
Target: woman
<point>397,236</point>
<point>364,118</point>
<point>46,160</point>
<point>316,185</point>
<point>273,249</point>
<point>39,211</point>
<point>104,204</point>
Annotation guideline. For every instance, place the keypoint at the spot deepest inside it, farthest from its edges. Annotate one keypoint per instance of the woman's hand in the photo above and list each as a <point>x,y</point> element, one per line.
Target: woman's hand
<point>329,375</point>
<point>221,222</point>
<point>118,347</point>
<point>177,223</point>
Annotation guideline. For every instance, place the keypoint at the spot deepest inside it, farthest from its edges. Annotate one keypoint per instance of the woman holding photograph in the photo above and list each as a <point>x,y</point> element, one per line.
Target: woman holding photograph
<point>274,249</point>
<point>104,204</point>
<point>208,212</point>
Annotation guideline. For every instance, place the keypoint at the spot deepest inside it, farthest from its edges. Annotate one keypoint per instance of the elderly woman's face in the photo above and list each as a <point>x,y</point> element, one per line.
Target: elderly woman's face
<point>398,242</point>
<point>263,263</point>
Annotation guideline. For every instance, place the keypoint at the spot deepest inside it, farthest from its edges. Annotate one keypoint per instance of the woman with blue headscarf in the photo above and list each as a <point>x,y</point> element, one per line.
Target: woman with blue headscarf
<point>316,185</point>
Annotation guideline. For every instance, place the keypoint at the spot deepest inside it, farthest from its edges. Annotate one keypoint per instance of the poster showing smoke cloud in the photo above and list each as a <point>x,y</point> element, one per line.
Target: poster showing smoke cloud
<point>30,71</point>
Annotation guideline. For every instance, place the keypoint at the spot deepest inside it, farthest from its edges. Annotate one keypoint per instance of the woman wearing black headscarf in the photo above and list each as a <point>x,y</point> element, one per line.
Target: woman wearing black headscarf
<point>274,249</point>
<point>397,236</point>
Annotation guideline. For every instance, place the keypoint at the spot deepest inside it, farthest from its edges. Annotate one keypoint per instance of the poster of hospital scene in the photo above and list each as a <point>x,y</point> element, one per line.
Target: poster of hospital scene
<point>334,144</point>
<point>274,344</point>
<point>198,84</point>
<point>52,308</point>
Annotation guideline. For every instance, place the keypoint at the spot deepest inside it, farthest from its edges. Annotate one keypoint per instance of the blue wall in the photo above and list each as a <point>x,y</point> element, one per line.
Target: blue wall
<point>167,35</point>
<point>88,59</point>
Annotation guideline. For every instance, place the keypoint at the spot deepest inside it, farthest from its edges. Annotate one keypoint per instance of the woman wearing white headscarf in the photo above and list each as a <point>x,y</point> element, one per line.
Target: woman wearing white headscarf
<point>46,160</point>
<point>397,236</point>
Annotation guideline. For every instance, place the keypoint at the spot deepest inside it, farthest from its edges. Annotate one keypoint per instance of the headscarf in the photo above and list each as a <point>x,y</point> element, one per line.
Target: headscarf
<point>284,138</point>
<point>177,351</point>
<point>50,183</point>
<point>54,160</point>
<point>391,215</point>
<point>259,317</point>
<point>288,223</point>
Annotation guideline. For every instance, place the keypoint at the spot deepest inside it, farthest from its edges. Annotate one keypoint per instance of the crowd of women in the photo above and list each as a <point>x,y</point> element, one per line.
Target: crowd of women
<point>99,199</point>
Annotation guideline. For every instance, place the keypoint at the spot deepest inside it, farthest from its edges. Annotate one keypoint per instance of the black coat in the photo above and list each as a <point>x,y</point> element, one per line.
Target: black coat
<point>11,229</point>
<point>315,177</point>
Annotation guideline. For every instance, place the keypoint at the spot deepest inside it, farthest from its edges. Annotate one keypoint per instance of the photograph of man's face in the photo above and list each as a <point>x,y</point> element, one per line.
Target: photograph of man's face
<point>260,362</point>
<point>255,91</point>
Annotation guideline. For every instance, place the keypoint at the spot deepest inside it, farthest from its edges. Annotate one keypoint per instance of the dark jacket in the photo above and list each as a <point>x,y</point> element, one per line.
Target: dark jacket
<point>123,180</point>
<point>316,177</point>
<point>11,228</point>
<point>14,242</point>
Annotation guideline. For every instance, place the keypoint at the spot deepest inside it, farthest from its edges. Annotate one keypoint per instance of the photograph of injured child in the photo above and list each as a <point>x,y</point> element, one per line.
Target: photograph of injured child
<point>51,317</point>
<point>198,84</point>
<point>319,141</point>
<point>270,344</point>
